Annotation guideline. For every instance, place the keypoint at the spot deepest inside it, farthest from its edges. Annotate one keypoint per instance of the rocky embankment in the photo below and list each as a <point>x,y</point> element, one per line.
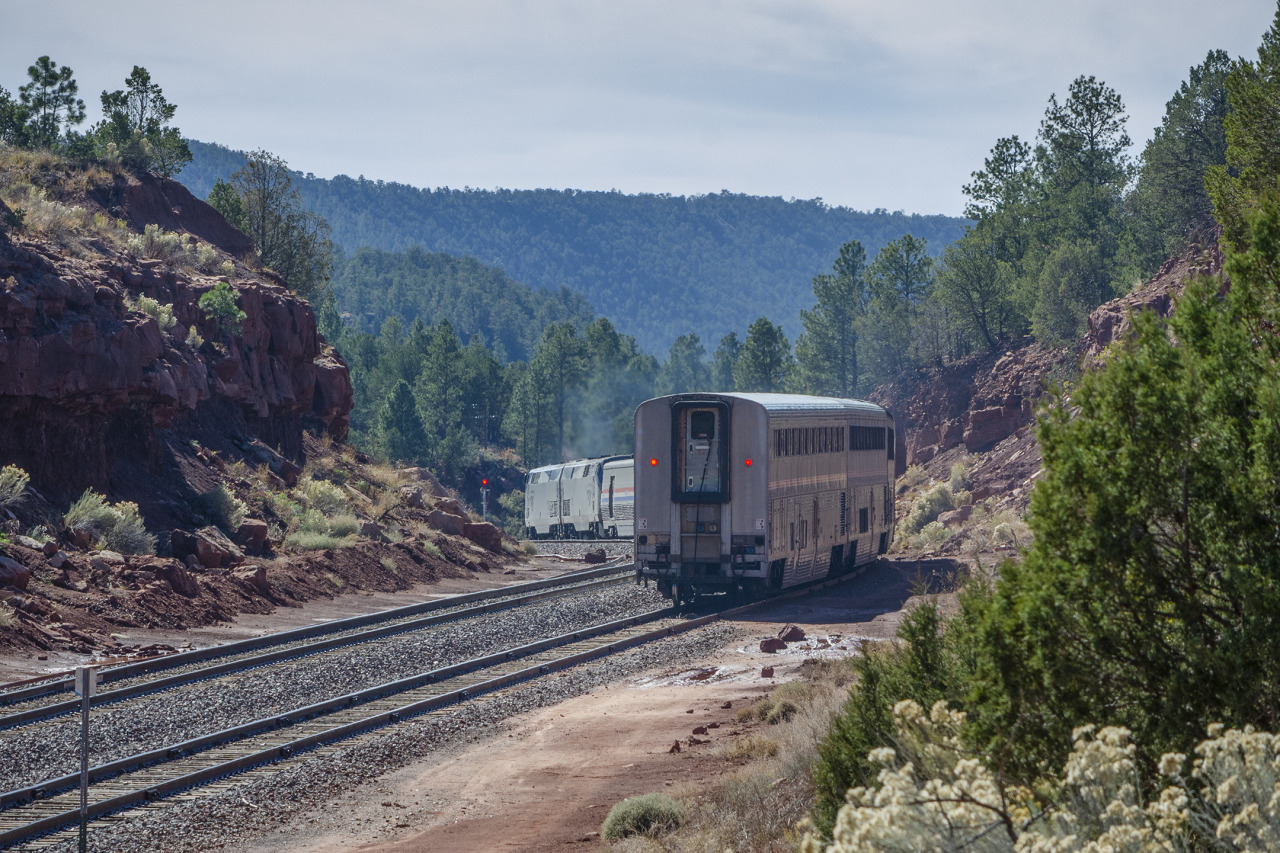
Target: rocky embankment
<point>985,404</point>
<point>96,393</point>
<point>225,431</point>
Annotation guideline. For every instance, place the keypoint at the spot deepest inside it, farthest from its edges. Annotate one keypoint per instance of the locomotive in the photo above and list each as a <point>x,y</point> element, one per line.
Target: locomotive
<point>753,493</point>
<point>583,499</point>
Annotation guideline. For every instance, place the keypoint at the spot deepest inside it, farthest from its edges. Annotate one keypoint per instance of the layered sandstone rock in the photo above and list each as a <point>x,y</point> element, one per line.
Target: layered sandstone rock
<point>94,393</point>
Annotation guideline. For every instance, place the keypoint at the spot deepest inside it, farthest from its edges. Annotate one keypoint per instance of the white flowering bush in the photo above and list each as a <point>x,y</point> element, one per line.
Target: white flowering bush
<point>934,795</point>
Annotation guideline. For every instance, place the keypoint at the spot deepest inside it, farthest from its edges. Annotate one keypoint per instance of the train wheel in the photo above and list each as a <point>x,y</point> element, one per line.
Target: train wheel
<point>613,533</point>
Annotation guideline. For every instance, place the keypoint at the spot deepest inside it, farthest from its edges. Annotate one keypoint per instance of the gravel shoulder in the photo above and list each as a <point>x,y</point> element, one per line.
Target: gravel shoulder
<point>545,780</point>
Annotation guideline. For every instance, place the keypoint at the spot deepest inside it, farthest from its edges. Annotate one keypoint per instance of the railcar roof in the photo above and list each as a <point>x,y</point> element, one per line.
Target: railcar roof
<point>572,462</point>
<point>783,403</point>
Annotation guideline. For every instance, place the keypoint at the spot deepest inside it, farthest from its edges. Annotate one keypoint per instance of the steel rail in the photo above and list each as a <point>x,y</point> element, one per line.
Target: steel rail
<point>399,624</point>
<point>54,791</point>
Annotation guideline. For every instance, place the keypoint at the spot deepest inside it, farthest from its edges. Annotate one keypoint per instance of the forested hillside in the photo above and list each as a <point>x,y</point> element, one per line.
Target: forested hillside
<point>433,286</point>
<point>658,266</point>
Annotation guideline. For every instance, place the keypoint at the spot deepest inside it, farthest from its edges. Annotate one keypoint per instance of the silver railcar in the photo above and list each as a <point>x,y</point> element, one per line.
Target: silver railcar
<point>753,493</point>
<point>582,499</point>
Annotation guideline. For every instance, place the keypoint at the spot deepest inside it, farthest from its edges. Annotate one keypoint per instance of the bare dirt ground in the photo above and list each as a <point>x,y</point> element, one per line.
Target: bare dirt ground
<point>548,779</point>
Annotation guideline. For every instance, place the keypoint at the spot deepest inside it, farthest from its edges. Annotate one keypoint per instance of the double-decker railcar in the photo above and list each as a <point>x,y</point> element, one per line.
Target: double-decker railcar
<point>754,493</point>
<point>582,499</point>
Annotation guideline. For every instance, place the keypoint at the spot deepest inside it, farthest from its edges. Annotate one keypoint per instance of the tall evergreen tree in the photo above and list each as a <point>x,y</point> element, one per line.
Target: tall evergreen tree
<point>50,101</point>
<point>135,127</point>
<point>722,362</point>
<point>765,361</point>
<point>827,350</point>
<point>685,368</point>
<point>398,430</point>
<point>1170,201</point>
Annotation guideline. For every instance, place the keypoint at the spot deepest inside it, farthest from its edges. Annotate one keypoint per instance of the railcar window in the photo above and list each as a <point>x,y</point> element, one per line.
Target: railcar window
<point>862,520</point>
<point>702,425</point>
<point>866,438</point>
<point>891,444</point>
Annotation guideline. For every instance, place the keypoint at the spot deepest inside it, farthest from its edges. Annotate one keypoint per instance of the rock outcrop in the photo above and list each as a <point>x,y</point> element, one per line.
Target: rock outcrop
<point>96,393</point>
<point>986,403</point>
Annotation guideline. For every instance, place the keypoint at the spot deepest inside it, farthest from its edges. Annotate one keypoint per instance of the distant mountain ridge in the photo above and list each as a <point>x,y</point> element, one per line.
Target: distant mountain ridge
<point>657,265</point>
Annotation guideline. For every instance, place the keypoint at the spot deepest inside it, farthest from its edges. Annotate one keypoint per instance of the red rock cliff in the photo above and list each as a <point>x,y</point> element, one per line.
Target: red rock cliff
<point>93,392</point>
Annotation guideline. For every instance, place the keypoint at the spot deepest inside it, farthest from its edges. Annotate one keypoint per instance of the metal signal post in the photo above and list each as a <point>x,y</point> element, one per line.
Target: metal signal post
<point>86,682</point>
<point>484,499</point>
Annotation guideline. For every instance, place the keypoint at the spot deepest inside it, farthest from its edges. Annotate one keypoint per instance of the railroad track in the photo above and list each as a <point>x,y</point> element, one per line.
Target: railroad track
<point>53,805</point>
<point>45,814</point>
<point>31,702</point>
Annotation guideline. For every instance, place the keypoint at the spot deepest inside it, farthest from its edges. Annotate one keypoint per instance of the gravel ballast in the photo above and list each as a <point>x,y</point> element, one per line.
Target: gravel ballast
<point>236,815</point>
<point>32,754</point>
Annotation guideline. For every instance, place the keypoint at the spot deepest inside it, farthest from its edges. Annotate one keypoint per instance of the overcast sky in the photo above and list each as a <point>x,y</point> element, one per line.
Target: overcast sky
<point>865,104</point>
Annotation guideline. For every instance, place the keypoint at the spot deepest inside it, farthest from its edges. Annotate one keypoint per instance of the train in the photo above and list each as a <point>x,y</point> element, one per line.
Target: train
<point>582,499</point>
<point>749,494</point>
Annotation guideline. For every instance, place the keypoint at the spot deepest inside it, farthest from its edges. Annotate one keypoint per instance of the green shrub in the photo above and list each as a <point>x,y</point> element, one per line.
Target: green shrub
<point>163,314</point>
<point>431,548</point>
<point>13,483</point>
<point>155,242</point>
<point>647,814</point>
<point>308,540</point>
<point>927,508</point>
<point>116,528</point>
<point>344,525</point>
<point>220,305</point>
<point>6,616</point>
<point>324,497</point>
<point>223,508</point>
<point>959,477</point>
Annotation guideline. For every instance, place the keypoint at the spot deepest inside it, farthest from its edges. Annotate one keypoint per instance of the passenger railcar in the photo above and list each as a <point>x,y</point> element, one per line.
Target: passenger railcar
<point>754,493</point>
<point>582,499</point>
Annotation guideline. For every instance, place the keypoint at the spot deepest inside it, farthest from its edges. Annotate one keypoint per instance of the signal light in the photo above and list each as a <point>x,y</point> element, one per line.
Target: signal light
<point>653,463</point>
<point>748,463</point>
<point>485,481</point>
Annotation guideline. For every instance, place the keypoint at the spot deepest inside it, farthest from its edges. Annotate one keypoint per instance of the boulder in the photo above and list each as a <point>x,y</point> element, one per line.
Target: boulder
<point>252,535</point>
<point>451,506</point>
<point>182,581</point>
<point>411,496</point>
<point>766,672</point>
<point>372,531</point>
<point>111,558</point>
<point>699,730</point>
<point>956,517</point>
<point>59,559</point>
<point>13,573</point>
<point>428,480</point>
<point>27,542</point>
<point>445,522</point>
<point>484,534</point>
<point>595,555</point>
<point>255,577</point>
<point>209,545</point>
<point>770,645</point>
<point>791,634</point>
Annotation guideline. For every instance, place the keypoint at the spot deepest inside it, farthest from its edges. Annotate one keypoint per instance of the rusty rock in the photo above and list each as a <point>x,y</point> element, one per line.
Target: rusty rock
<point>445,522</point>
<point>791,634</point>
<point>596,555</point>
<point>699,730</point>
<point>13,573</point>
<point>484,534</point>
<point>252,534</point>
<point>766,672</point>
<point>675,747</point>
<point>182,581</point>
<point>256,577</point>
<point>770,645</point>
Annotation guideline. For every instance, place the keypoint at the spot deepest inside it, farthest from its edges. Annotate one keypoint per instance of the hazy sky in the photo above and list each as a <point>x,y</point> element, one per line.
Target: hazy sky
<point>865,104</point>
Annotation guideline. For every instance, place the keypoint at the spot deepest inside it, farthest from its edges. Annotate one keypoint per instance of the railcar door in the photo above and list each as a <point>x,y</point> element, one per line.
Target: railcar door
<point>701,431</point>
